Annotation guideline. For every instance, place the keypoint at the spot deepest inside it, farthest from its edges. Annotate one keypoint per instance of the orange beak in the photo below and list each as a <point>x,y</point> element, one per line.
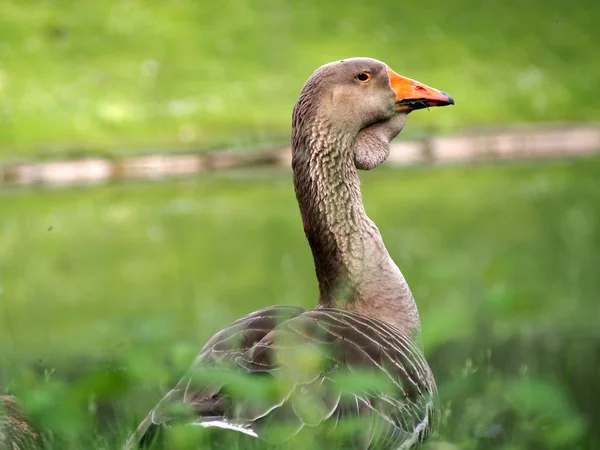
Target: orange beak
<point>411,94</point>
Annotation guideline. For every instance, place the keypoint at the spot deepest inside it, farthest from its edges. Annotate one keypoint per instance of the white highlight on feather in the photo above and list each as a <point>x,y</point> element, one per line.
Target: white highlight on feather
<point>226,426</point>
<point>419,428</point>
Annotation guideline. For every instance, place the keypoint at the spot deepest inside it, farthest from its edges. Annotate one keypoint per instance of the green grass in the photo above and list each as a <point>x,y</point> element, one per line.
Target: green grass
<point>122,74</point>
<point>107,293</point>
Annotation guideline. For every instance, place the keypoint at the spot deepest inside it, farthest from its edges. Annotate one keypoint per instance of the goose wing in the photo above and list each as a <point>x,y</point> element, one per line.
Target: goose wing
<point>321,368</point>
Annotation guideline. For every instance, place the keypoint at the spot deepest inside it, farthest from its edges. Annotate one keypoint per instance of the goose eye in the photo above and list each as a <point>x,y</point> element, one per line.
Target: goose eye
<point>363,77</point>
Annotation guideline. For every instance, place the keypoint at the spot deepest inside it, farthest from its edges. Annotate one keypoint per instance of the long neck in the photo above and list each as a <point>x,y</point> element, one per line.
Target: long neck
<point>353,267</point>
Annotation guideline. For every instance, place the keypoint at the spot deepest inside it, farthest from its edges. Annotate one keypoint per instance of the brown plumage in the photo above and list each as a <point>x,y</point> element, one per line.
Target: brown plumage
<point>15,432</point>
<point>366,320</point>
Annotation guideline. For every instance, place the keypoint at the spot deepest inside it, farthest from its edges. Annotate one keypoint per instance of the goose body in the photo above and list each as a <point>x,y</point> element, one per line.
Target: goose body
<point>365,321</point>
<point>15,432</point>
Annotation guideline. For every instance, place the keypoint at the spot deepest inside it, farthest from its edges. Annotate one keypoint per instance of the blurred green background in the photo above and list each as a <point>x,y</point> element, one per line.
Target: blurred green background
<point>128,74</point>
<point>107,293</point>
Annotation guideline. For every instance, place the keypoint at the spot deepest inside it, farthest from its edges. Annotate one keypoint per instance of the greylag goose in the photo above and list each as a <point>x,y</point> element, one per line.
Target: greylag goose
<point>365,318</point>
<point>15,432</point>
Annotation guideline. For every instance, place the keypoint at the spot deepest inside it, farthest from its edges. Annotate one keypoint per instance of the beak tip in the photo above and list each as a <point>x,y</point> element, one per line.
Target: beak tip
<point>450,99</point>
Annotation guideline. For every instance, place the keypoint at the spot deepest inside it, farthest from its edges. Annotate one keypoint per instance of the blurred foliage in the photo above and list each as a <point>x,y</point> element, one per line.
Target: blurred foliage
<point>107,294</point>
<point>118,74</point>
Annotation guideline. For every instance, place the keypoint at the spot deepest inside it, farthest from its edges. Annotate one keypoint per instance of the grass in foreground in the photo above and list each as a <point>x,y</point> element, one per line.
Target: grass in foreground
<point>99,75</point>
<point>108,293</point>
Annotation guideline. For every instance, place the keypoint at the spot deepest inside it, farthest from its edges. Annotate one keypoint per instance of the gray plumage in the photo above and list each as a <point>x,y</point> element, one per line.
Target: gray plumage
<point>366,319</point>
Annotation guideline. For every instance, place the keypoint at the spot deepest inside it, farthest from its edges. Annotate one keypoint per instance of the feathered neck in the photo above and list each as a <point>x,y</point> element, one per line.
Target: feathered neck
<point>353,267</point>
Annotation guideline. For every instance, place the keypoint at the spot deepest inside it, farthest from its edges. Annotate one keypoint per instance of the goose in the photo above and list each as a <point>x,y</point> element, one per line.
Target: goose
<point>15,432</point>
<point>366,317</point>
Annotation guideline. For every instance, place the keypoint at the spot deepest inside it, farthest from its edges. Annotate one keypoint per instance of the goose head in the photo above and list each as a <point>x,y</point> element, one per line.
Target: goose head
<point>346,97</point>
<point>346,115</point>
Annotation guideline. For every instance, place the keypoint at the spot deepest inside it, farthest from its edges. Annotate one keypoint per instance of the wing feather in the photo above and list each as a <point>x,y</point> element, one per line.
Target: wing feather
<point>304,353</point>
